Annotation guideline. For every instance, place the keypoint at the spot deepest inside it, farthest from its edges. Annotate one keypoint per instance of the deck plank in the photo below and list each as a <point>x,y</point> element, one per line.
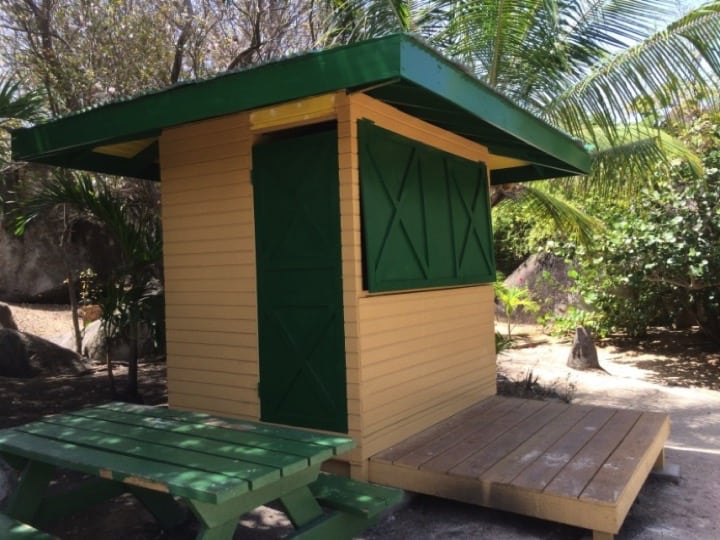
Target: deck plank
<point>478,462</point>
<point>483,434</point>
<point>580,465</point>
<point>483,428</point>
<point>620,467</point>
<point>576,475</point>
<point>536,446</point>
<point>538,475</point>
<point>397,451</point>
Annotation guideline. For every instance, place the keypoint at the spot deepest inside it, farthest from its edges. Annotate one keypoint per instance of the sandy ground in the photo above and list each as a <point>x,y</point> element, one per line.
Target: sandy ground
<point>685,508</point>
<point>47,321</point>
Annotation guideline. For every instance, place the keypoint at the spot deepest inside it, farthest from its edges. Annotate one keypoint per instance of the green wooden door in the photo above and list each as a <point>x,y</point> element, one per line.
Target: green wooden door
<point>299,277</point>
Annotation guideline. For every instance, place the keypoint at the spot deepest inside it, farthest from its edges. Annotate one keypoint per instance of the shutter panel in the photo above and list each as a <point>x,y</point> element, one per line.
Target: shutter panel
<point>426,214</point>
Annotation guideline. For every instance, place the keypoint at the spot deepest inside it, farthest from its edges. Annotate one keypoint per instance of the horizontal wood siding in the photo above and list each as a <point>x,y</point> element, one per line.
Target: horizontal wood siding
<point>420,356</point>
<point>209,255</point>
<point>426,355</point>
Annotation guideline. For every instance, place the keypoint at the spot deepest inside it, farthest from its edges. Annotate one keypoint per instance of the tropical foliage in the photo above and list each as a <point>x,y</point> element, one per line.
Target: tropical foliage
<point>607,72</point>
<point>658,261</point>
<point>131,296</point>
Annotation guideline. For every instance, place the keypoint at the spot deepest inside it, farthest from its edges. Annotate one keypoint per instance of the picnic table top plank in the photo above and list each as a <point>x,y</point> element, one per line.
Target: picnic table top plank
<point>286,463</point>
<point>245,433</point>
<point>337,443</point>
<point>256,475</point>
<point>174,479</point>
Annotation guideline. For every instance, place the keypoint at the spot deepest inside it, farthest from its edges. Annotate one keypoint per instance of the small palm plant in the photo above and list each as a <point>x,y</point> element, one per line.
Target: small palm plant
<point>511,299</point>
<point>130,296</point>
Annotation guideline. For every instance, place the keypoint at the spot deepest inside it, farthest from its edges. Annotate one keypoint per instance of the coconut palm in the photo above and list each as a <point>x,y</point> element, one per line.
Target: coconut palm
<point>605,71</point>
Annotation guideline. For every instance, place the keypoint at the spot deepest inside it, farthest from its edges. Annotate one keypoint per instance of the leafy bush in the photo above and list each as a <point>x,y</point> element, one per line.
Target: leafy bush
<point>658,260</point>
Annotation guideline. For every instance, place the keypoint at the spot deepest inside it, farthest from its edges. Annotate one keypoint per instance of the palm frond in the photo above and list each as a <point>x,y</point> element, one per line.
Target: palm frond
<point>134,227</point>
<point>631,161</point>
<point>568,218</point>
<point>670,66</point>
<point>16,105</point>
<point>347,21</point>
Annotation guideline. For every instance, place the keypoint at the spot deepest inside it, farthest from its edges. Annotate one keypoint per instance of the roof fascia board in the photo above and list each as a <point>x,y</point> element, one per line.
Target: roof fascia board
<point>275,82</point>
<point>424,67</point>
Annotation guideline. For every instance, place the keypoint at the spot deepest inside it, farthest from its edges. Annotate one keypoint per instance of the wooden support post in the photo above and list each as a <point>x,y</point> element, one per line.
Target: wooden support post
<point>660,462</point>
<point>600,535</point>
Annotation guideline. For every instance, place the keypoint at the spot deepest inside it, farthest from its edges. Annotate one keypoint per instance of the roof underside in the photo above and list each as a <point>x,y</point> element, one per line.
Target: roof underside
<point>120,138</point>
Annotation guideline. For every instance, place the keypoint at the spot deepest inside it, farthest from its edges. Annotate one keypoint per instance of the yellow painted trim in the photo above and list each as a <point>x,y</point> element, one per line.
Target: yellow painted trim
<point>501,162</point>
<point>126,150</point>
<point>304,110</point>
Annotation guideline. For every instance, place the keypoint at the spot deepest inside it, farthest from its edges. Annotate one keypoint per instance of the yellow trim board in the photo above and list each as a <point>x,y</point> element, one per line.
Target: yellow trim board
<point>314,108</point>
<point>127,150</point>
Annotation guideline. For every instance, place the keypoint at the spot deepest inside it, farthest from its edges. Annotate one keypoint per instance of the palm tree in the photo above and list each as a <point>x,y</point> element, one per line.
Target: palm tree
<point>605,71</point>
<point>16,107</point>
<point>130,295</point>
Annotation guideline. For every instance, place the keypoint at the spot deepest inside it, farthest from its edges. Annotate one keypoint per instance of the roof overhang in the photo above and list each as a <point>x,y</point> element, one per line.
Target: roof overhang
<point>120,137</point>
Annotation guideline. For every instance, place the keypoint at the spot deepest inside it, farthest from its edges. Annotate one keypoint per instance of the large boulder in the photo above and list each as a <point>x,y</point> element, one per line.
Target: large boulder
<point>6,317</point>
<point>34,269</point>
<point>94,344</point>
<point>25,355</point>
<point>546,277</point>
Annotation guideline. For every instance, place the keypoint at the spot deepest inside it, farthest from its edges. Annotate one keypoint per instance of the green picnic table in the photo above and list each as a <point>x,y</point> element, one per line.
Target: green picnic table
<point>220,468</point>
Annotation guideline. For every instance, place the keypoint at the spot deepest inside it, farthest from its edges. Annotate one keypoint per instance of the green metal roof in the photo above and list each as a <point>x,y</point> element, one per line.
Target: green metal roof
<point>398,70</point>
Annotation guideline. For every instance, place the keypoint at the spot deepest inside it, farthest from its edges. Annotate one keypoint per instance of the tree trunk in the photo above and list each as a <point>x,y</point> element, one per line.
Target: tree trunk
<point>111,376</point>
<point>583,354</point>
<point>74,308</point>
<point>132,394</point>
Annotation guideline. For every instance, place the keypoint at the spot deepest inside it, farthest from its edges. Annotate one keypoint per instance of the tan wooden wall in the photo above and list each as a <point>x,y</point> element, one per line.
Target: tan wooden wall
<point>209,250</point>
<point>412,358</point>
<point>418,357</point>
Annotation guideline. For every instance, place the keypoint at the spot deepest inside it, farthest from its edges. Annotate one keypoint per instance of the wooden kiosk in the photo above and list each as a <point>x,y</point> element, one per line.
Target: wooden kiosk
<point>327,235</point>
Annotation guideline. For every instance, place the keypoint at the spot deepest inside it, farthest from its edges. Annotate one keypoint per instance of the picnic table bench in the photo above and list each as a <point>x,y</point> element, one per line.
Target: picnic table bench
<point>11,529</point>
<point>220,468</point>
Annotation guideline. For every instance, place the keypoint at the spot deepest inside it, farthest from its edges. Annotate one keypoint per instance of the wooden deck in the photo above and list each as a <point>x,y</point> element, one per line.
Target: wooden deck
<point>573,464</point>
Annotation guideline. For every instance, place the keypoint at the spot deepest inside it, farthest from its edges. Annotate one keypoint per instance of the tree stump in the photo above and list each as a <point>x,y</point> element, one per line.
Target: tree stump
<point>583,354</point>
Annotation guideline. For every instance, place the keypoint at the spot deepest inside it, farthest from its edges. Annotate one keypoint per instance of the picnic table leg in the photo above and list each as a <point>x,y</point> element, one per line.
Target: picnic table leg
<point>301,506</point>
<point>162,506</point>
<point>28,496</point>
<point>219,532</point>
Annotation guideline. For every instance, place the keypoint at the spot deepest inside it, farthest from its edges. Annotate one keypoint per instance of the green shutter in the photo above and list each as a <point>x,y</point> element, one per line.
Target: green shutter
<point>426,214</point>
